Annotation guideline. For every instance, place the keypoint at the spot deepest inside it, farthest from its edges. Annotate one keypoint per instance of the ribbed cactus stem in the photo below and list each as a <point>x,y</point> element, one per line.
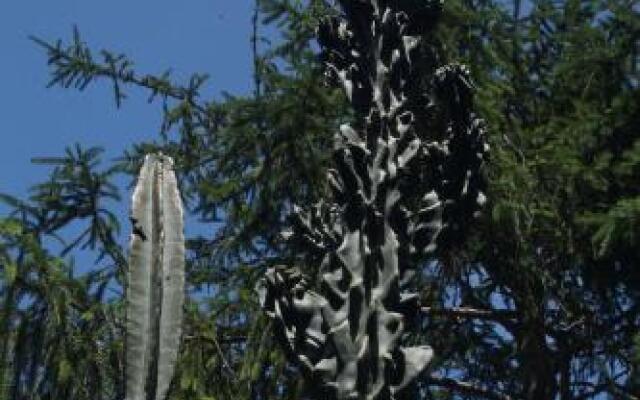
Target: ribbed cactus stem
<point>406,180</point>
<point>155,281</point>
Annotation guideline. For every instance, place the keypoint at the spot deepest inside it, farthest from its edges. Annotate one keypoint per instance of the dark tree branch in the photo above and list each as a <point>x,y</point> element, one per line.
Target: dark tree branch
<point>606,387</point>
<point>467,388</point>
<point>471,313</point>
<point>209,339</point>
<point>76,66</point>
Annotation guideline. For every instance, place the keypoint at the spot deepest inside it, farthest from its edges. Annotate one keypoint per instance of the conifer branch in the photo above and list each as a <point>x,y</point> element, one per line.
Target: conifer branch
<point>467,388</point>
<point>75,66</point>
<point>471,313</point>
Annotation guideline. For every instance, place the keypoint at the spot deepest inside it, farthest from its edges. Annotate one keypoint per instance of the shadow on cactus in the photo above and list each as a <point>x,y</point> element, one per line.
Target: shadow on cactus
<point>155,281</point>
<point>406,183</point>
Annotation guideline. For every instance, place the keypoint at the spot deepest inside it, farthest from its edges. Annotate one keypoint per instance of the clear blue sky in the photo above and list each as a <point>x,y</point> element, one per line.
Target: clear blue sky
<point>210,36</point>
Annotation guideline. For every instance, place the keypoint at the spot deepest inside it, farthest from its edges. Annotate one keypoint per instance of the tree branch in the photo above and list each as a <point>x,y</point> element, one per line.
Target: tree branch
<point>471,313</point>
<point>75,66</point>
<point>466,388</point>
<point>606,387</point>
<point>211,340</point>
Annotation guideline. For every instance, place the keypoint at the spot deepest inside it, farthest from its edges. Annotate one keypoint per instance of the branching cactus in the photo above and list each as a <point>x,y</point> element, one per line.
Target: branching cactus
<point>155,281</point>
<point>406,183</point>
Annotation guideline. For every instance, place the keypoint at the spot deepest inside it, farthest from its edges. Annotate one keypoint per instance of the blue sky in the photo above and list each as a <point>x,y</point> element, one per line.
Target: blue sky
<point>206,36</point>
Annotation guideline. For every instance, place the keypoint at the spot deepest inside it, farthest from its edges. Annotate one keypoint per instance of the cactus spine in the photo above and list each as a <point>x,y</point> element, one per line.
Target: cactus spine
<point>155,281</point>
<point>406,182</point>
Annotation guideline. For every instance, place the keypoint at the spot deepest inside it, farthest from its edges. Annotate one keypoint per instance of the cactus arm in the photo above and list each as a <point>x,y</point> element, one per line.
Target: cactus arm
<point>139,277</point>
<point>173,280</point>
<point>155,282</point>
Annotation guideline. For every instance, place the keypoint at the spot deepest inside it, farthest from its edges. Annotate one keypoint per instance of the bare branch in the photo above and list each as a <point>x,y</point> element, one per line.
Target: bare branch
<point>606,387</point>
<point>467,388</point>
<point>209,339</point>
<point>471,313</point>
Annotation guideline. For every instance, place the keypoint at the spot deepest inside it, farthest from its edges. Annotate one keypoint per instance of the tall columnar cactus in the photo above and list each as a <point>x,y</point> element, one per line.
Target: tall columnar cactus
<point>155,281</point>
<point>406,182</point>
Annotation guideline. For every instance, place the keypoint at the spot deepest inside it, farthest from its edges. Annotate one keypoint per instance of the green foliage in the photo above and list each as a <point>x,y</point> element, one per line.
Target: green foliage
<point>559,243</point>
<point>59,335</point>
<point>541,303</point>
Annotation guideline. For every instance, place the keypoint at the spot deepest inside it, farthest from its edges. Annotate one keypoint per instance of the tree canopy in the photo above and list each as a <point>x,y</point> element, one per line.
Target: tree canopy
<point>541,300</point>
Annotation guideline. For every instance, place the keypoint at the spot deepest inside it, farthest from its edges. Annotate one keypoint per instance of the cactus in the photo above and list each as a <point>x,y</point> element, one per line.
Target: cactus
<point>406,183</point>
<point>155,281</point>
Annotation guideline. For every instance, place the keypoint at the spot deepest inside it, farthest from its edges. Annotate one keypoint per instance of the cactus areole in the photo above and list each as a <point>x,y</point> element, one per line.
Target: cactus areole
<point>406,182</point>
